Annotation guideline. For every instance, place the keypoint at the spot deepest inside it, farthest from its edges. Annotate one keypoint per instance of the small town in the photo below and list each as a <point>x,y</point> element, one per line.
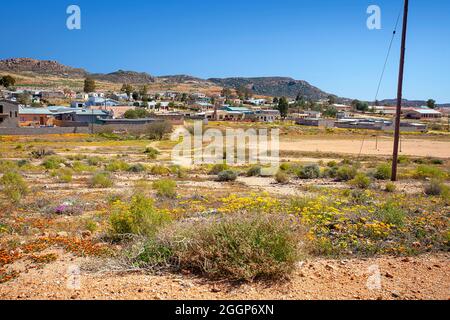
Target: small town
<point>27,108</point>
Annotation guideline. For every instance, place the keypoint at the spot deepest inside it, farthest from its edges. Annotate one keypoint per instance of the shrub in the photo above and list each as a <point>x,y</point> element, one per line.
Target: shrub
<point>165,188</point>
<point>138,217</point>
<point>7,166</point>
<point>361,181</point>
<point>309,172</point>
<point>218,168</point>
<point>330,172</point>
<point>236,247</point>
<point>254,171</point>
<point>159,170</point>
<point>65,175</point>
<point>346,173</point>
<point>117,165</point>
<point>152,153</point>
<point>390,187</point>
<point>14,186</point>
<point>41,153</point>
<point>136,168</point>
<point>227,175</point>
<point>285,166</point>
<point>52,162</point>
<point>101,180</point>
<point>434,188</point>
<point>332,164</point>
<point>403,160</point>
<point>282,177</point>
<point>383,172</point>
<point>94,161</point>
<point>424,171</point>
<point>158,130</point>
<point>179,171</point>
<point>436,161</point>
<point>390,213</point>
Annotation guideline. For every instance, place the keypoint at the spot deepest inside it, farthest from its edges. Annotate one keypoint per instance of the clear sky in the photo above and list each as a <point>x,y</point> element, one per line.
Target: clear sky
<point>325,42</point>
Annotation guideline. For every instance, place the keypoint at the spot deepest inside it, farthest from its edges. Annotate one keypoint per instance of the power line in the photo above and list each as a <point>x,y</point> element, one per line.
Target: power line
<point>388,53</point>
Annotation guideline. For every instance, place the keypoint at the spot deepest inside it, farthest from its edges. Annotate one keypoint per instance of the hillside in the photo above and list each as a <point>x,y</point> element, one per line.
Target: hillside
<point>274,86</point>
<point>43,67</point>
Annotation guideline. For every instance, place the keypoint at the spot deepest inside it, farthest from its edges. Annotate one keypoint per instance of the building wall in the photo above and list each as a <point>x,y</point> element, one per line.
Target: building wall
<point>11,112</point>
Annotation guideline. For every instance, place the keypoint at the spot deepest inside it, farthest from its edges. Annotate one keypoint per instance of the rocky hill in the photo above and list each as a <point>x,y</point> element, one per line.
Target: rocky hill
<point>124,77</point>
<point>44,67</point>
<point>274,86</point>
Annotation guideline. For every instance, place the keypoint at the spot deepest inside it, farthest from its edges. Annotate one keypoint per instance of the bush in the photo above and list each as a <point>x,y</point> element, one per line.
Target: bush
<point>254,171</point>
<point>332,164</point>
<point>390,187</point>
<point>403,160</point>
<point>424,172</point>
<point>159,170</point>
<point>434,188</point>
<point>282,177</point>
<point>165,188</point>
<point>181,172</point>
<point>309,172</point>
<point>65,175</point>
<point>14,186</point>
<point>218,168</point>
<point>236,247</point>
<point>361,181</point>
<point>346,173</point>
<point>227,175</point>
<point>41,153</point>
<point>94,161</point>
<point>101,180</point>
<point>136,168</point>
<point>158,130</point>
<point>138,217</point>
<point>330,172</point>
<point>390,213</point>
<point>152,153</point>
<point>53,162</point>
<point>383,172</point>
<point>117,165</point>
<point>7,166</point>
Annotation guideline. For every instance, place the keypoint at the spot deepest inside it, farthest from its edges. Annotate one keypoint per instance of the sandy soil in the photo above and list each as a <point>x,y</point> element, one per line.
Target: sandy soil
<point>425,277</point>
<point>411,147</point>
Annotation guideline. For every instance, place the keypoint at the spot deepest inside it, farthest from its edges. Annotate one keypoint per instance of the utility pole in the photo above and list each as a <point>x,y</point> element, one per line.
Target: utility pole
<point>399,93</point>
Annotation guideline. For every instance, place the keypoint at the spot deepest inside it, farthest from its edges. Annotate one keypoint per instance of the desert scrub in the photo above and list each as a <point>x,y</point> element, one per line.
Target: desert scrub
<point>152,153</point>
<point>390,213</point>
<point>227,176</point>
<point>346,173</point>
<point>311,171</point>
<point>281,177</point>
<point>41,153</point>
<point>383,172</point>
<point>138,217</point>
<point>435,188</point>
<point>53,162</point>
<point>159,170</point>
<point>64,175</point>
<point>94,161</point>
<point>430,172</point>
<point>390,187</point>
<point>165,188</point>
<point>218,168</point>
<point>361,181</point>
<point>7,166</point>
<point>14,186</point>
<point>254,171</point>
<point>136,168</point>
<point>117,166</point>
<point>101,180</point>
<point>235,247</point>
<point>180,172</point>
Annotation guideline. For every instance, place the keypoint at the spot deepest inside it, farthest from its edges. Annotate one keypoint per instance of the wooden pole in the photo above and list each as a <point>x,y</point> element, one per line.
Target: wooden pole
<point>399,93</point>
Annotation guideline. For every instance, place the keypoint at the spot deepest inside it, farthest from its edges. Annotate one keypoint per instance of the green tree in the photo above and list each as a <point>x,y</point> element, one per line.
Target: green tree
<point>331,100</point>
<point>128,89</point>
<point>431,104</point>
<point>283,107</point>
<point>24,98</point>
<point>226,92</point>
<point>7,81</point>
<point>89,85</point>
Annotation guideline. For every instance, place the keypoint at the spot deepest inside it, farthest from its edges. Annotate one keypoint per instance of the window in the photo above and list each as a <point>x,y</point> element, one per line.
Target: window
<point>1,109</point>
<point>15,114</point>
<point>10,114</point>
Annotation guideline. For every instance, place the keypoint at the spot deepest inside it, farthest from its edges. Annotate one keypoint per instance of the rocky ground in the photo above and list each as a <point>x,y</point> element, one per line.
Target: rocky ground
<point>423,277</point>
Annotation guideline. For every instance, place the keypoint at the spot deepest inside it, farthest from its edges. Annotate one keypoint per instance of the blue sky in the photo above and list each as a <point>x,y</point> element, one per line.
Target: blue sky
<point>324,42</point>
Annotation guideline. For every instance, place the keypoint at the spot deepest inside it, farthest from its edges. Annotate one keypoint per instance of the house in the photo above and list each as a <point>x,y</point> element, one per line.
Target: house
<point>116,112</point>
<point>242,110</point>
<point>268,116</point>
<point>256,102</point>
<point>98,101</point>
<point>77,104</point>
<point>9,114</point>
<point>342,107</point>
<point>79,115</point>
<point>315,122</point>
<point>36,117</point>
<point>423,113</point>
<point>52,95</point>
